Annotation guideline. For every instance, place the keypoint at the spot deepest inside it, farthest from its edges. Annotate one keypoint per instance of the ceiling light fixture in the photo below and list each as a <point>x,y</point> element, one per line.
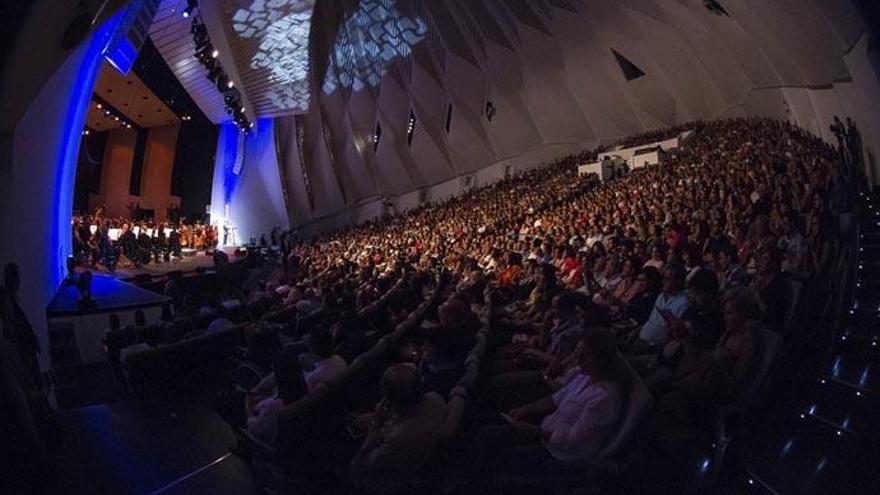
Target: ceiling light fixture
<point>215,73</point>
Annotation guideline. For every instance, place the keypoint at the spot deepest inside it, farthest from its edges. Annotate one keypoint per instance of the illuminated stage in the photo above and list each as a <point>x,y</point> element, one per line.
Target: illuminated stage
<point>76,332</point>
<point>186,264</point>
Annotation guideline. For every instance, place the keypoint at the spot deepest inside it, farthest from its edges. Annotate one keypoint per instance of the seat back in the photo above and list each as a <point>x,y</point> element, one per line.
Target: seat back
<point>768,348</point>
<point>637,401</point>
<point>794,295</point>
<point>184,365</point>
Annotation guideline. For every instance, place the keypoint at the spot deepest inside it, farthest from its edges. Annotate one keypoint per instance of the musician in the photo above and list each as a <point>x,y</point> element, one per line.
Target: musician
<point>201,238</point>
<point>105,247</point>
<point>160,244</point>
<point>85,237</point>
<point>99,214</point>
<point>78,244</point>
<point>215,235</point>
<point>174,242</point>
<point>128,242</point>
<point>145,247</point>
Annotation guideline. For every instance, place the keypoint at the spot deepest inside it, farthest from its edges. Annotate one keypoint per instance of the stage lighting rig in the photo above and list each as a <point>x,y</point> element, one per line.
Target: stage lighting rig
<point>208,56</point>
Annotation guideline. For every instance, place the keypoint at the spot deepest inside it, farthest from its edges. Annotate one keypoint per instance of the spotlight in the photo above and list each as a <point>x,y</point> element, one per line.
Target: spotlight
<point>230,84</point>
<point>99,106</point>
<point>203,53</point>
<point>215,53</point>
<point>190,6</point>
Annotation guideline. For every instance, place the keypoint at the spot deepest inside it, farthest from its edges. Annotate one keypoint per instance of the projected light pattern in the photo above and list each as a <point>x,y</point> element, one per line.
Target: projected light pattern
<point>281,28</point>
<point>370,39</point>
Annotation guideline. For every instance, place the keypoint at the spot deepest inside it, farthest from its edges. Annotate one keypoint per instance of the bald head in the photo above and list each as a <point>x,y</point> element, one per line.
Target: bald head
<point>400,384</point>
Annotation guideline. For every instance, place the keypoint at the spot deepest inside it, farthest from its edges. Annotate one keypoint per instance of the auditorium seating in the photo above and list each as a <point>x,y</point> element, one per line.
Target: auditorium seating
<point>313,446</point>
<point>311,437</point>
<point>185,366</point>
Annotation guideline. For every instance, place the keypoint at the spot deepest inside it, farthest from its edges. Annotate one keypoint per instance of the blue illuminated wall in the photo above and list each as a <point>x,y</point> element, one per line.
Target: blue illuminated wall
<point>253,198</point>
<point>38,189</point>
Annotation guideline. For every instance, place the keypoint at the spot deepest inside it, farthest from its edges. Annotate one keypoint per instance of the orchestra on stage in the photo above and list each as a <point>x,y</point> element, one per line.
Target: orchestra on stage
<point>109,243</point>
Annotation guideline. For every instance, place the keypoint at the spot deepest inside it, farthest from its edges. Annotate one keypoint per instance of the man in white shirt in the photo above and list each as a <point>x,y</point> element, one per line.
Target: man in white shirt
<point>576,423</point>
<point>669,307</point>
<point>405,431</point>
<point>321,365</point>
<point>308,305</point>
<point>262,415</point>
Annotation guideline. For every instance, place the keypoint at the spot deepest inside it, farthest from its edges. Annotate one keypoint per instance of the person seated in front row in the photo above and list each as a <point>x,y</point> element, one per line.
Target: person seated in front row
<point>574,424</point>
<point>151,338</point>
<point>406,429</point>
<point>704,377</point>
<point>321,365</point>
<point>544,370</point>
<point>289,386</point>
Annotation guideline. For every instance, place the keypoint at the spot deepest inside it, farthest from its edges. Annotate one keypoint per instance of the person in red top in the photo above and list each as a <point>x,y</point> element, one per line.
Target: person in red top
<point>570,271</point>
<point>510,276</point>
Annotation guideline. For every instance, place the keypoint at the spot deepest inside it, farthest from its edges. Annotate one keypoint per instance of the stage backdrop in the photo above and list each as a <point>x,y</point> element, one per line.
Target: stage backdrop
<point>247,183</point>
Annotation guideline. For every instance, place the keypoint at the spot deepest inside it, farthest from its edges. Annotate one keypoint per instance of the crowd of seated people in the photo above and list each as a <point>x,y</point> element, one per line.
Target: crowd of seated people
<point>664,279</point>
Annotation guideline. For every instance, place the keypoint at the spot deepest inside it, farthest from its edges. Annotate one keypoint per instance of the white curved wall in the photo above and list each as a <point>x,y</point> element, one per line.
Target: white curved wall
<point>804,60</point>
<point>255,198</point>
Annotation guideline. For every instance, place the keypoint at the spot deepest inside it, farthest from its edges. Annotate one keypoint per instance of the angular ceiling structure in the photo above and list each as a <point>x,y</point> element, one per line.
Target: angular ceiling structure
<point>412,98</point>
<point>262,46</point>
<point>496,81</point>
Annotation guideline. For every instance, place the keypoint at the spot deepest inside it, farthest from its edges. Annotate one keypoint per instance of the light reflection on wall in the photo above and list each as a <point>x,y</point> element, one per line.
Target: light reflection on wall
<point>370,39</point>
<point>281,28</point>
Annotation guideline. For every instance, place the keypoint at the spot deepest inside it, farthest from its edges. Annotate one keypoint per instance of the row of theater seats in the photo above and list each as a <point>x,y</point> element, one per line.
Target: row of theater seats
<point>813,315</point>
<point>313,447</point>
<point>169,370</point>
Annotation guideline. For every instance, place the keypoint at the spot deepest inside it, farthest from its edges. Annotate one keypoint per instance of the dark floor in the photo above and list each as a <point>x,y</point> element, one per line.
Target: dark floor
<point>86,385</point>
<point>123,448</point>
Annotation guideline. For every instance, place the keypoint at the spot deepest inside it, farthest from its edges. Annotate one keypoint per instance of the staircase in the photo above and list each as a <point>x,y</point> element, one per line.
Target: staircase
<point>824,439</point>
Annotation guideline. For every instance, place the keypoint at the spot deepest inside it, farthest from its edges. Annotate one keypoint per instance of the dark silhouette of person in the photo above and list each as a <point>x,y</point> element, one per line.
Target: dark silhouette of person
<point>16,327</point>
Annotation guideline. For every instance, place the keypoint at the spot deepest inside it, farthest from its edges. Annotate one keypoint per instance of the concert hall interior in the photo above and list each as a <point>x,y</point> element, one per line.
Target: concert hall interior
<point>439,246</point>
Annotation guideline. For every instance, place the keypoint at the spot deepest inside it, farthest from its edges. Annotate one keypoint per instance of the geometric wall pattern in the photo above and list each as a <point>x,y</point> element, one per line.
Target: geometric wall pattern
<point>370,39</point>
<point>280,29</point>
<point>550,70</point>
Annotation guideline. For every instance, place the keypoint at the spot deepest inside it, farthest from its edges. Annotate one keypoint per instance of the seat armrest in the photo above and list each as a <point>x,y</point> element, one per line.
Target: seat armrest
<point>257,446</point>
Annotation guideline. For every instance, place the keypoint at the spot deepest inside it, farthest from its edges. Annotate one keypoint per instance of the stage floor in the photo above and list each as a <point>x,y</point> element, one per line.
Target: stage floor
<point>110,294</point>
<point>169,450</point>
<point>186,264</point>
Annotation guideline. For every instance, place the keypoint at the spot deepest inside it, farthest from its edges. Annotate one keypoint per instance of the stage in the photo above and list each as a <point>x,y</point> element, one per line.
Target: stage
<point>76,332</point>
<point>186,264</point>
<point>110,294</point>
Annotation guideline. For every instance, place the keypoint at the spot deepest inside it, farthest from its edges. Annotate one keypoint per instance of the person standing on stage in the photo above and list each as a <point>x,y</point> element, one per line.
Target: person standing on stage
<point>145,246</point>
<point>174,242</point>
<point>160,247</point>
<point>128,241</point>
